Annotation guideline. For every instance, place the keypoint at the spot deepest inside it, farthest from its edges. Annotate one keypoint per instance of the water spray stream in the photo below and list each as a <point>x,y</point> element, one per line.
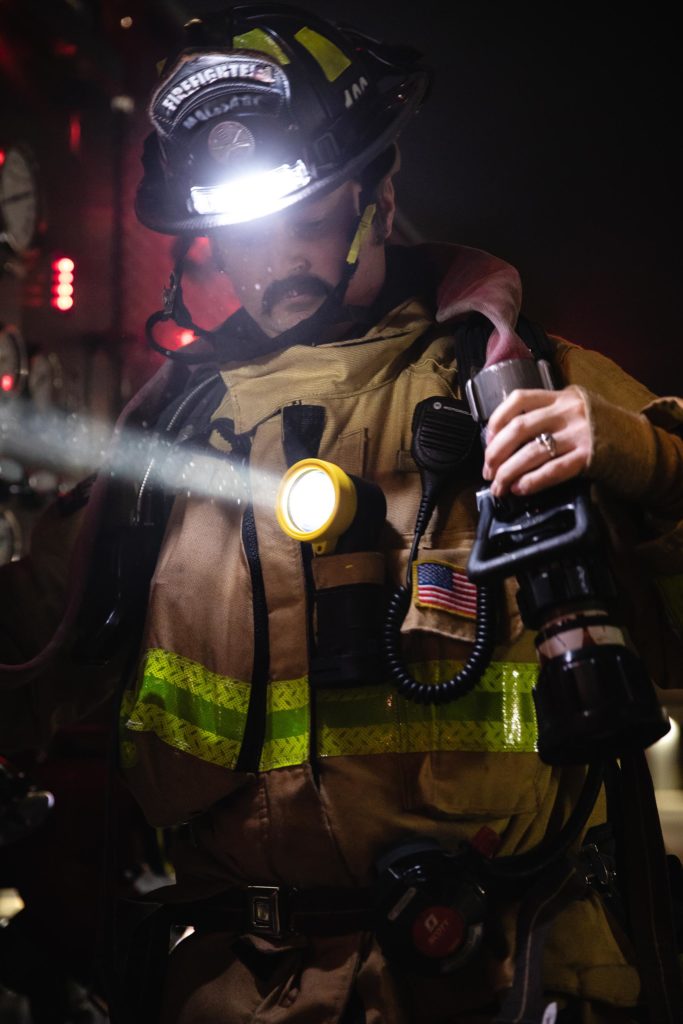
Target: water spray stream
<point>74,446</point>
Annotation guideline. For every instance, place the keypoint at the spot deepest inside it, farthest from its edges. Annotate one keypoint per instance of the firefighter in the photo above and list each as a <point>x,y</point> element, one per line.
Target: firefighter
<point>363,827</point>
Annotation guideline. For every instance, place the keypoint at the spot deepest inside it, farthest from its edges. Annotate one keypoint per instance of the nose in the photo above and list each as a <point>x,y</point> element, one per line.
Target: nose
<point>300,264</point>
<point>289,253</point>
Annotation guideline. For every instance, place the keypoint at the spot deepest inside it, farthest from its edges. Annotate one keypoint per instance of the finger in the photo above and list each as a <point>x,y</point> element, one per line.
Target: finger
<point>536,476</point>
<point>517,403</point>
<point>524,460</point>
<point>522,430</point>
<point>559,471</point>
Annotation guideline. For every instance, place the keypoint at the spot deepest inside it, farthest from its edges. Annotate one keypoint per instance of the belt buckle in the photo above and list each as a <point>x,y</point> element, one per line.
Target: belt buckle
<point>264,911</point>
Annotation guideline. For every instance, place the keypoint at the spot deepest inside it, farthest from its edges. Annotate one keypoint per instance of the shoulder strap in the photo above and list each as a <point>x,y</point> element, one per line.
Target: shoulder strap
<point>129,534</point>
<point>535,338</point>
<point>472,335</point>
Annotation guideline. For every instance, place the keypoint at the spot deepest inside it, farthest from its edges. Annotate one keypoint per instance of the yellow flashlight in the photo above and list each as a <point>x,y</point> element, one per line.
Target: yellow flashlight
<point>316,502</point>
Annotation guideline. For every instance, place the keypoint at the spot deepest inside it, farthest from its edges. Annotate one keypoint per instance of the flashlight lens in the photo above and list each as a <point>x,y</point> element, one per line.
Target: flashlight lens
<point>311,500</point>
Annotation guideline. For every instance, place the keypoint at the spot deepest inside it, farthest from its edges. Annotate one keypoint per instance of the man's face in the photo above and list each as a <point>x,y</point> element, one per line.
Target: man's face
<point>282,267</point>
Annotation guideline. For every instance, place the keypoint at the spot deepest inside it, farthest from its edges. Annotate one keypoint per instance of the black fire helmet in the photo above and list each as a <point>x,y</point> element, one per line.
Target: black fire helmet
<point>267,105</point>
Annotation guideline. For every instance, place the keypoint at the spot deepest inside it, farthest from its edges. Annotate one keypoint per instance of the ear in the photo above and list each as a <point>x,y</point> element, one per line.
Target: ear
<point>386,208</point>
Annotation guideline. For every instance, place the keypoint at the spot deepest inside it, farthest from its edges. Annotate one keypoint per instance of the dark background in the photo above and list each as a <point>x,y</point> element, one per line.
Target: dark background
<point>551,138</point>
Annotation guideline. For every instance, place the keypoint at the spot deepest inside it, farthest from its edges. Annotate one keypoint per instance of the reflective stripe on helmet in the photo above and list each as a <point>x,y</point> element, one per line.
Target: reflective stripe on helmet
<point>260,41</point>
<point>329,57</point>
<point>204,714</point>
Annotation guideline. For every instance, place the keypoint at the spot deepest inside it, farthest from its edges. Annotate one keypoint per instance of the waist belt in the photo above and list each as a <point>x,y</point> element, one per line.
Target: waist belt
<point>272,911</point>
<point>145,927</point>
<point>143,932</point>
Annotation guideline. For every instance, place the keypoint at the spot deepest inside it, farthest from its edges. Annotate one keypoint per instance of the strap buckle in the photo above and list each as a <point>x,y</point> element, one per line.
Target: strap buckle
<point>599,869</point>
<point>264,910</point>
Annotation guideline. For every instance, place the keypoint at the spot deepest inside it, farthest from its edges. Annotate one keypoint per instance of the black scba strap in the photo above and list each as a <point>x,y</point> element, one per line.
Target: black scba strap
<point>127,545</point>
<point>471,340</point>
<point>649,873</point>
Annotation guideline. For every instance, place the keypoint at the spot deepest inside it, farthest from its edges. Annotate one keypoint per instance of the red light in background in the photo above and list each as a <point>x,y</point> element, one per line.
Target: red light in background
<point>2,157</point>
<point>75,133</point>
<point>64,48</point>
<point>63,273</point>
<point>7,382</point>
<point>173,337</point>
<point>11,64</point>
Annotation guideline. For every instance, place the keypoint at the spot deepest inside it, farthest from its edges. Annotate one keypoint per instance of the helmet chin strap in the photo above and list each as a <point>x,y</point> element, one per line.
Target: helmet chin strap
<point>332,310</point>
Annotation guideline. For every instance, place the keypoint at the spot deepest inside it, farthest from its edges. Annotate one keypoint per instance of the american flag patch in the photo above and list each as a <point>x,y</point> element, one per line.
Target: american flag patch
<point>444,586</point>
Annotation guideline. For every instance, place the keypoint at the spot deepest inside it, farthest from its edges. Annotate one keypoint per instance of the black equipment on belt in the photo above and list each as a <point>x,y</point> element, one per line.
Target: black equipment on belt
<point>433,905</point>
<point>429,908</point>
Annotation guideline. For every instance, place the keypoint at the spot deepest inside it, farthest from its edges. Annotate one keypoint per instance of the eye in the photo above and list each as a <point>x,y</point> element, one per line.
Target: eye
<point>310,228</point>
<point>244,236</point>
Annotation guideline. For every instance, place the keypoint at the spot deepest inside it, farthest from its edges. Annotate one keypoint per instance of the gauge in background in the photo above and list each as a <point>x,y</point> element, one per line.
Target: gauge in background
<point>46,381</point>
<point>19,204</point>
<point>44,483</point>
<point>11,475</point>
<point>13,361</point>
<point>10,537</point>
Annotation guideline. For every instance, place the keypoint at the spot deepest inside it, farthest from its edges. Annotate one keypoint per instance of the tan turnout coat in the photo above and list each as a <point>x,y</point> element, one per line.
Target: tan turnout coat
<point>381,777</point>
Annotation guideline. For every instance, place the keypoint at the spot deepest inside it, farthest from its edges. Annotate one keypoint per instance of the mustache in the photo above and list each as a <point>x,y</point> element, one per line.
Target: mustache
<point>306,284</point>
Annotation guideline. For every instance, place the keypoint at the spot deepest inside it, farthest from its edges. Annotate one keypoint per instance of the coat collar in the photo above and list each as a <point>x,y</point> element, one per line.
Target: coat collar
<point>469,280</point>
<point>474,281</point>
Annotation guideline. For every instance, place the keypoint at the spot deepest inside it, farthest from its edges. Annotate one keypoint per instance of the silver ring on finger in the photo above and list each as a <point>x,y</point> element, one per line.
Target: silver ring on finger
<point>548,443</point>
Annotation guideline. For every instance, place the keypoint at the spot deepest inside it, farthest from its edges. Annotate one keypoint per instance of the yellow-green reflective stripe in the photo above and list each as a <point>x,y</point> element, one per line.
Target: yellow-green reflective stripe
<point>182,735</point>
<point>189,707</point>
<point>287,725</point>
<point>497,715</point>
<point>329,57</point>
<point>204,714</point>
